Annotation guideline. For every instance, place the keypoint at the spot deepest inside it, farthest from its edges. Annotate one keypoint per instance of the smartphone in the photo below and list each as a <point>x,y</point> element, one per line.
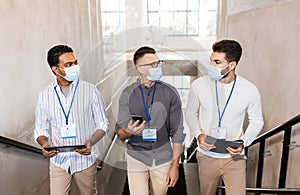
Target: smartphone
<point>137,117</point>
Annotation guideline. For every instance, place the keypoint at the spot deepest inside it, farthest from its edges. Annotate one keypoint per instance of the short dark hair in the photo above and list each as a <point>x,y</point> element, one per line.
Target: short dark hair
<point>55,52</point>
<point>231,48</point>
<point>141,52</point>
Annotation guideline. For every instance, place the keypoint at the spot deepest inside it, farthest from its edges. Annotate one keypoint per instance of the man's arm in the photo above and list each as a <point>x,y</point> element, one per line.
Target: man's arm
<point>256,122</point>
<point>177,149</point>
<point>132,129</point>
<point>255,118</point>
<point>43,141</point>
<point>40,132</point>
<point>98,134</point>
<point>173,173</point>
<point>123,116</point>
<point>101,121</point>
<point>41,128</point>
<point>191,116</point>
<point>177,135</point>
<point>192,113</point>
<point>202,144</point>
<point>123,134</point>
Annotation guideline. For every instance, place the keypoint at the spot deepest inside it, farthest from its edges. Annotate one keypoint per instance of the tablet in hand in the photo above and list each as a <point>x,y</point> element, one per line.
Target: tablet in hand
<point>70,148</point>
<point>221,145</point>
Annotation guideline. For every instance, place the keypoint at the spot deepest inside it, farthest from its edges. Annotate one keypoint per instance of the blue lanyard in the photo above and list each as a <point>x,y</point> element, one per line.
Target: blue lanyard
<point>66,115</point>
<point>221,116</point>
<point>148,114</point>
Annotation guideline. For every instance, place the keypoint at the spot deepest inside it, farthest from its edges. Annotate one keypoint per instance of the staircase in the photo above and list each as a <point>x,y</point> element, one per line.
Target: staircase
<point>188,183</point>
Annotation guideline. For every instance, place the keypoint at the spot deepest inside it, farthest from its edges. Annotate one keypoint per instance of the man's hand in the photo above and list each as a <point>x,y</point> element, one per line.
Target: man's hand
<point>47,153</point>
<point>235,152</point>
<point>43,141</point>
<point>172,175</point>
<point>97,135</point>
<point>202,144</point>
<point>50,153</point>
<point>133,129</point>
<point>86,150</point>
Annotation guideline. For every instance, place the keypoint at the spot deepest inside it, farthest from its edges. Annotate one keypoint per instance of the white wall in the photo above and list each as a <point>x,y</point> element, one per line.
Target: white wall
<point>269,36</point>
<point>29,28</point>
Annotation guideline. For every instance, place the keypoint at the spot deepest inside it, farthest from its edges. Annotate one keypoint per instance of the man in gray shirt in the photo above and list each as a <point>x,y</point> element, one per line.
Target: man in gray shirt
<point>149,115</point>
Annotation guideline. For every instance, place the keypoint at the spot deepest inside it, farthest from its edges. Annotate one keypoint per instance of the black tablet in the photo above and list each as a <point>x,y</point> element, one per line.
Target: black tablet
<point>221,145</point>
<point>70,148</point>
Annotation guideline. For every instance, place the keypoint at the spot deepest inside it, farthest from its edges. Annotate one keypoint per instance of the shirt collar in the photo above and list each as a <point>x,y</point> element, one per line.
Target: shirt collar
<point>72,85</point>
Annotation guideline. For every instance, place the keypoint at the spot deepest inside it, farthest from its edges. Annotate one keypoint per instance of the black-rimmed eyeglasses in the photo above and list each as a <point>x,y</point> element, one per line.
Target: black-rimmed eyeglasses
<point>154,64</point>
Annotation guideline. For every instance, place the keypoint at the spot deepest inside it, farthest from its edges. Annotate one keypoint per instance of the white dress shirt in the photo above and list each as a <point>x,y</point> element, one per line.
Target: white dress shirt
<point>87,113</point>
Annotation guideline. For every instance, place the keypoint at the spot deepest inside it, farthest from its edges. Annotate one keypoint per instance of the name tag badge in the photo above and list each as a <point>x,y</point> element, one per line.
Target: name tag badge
<point>68,131</point>
<point>219,133</point>
<point>149,135</point>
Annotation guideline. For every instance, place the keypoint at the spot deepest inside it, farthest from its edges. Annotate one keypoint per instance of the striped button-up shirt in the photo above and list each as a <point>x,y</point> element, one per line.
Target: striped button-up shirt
<point>87,113</point>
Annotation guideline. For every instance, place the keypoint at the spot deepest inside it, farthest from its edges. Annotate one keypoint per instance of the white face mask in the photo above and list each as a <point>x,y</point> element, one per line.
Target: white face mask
<point>216,73</point>
<point>72,73</point>
<point>155,74</point>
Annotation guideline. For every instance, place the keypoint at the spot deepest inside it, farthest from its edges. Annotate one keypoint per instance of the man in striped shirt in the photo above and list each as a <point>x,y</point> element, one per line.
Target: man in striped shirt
<point>69,112</point>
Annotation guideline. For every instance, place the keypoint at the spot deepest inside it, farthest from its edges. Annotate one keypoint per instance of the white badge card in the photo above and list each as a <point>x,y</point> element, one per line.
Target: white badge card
<point>68,131</point>
<point>149,135</point>
<point>219,133</point>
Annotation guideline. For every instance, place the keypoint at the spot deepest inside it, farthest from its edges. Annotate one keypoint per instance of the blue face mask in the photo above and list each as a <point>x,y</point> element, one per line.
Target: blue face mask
<point>155,74</point>
<point>215,72</point>
<point>72,73</point>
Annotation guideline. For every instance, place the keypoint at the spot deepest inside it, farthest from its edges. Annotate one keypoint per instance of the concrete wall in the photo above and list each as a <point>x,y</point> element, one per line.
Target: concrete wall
<point>28,29</point>
<point>268,31</point>
<point>22,172</point>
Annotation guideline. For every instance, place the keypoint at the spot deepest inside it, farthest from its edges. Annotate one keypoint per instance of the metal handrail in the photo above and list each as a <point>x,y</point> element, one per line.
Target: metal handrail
<point>194,147</point>
<point>191,155</point>
<point>20,145</point>
<point>286,128</point>
<point>276,130</point>
<point>277,191</point>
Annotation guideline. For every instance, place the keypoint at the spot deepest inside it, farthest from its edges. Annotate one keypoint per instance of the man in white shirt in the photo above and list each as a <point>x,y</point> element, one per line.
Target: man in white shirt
<point>216,107</point>
<point>69,112</point>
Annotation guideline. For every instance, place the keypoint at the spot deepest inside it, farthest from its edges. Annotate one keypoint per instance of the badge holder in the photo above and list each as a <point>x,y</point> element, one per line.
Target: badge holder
<point>149,135</point>
<point>68,131</point>
<point>219,133</point>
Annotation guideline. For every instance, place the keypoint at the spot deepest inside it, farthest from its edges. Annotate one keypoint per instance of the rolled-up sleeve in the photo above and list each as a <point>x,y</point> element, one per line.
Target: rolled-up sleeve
<point>99,112</point>
<point>176,120</point>
<point>41,120</point>
<point>124,114</point>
